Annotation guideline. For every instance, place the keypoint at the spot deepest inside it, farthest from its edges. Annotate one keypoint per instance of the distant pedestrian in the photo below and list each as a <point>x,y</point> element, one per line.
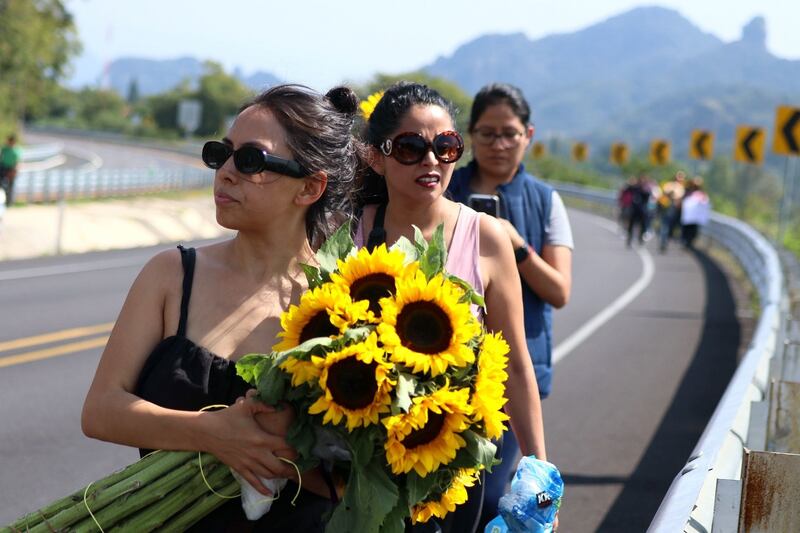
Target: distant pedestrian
<point>10,155</point>
<point>695,211</point>
<point>639,193</point>
<point>669,208</point>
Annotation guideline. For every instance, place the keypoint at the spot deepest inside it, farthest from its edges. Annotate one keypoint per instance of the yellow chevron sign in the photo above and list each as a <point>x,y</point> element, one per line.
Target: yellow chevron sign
<point>702,145</point>
<point>749,145</point>
<point>539,150</point>
<point>787,131</point>
<point>659,152</point>
<point>580,151</point>
<point>618,154</point>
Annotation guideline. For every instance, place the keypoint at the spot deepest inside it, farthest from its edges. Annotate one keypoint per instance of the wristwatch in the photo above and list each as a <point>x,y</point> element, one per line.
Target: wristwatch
<point>522,253</point>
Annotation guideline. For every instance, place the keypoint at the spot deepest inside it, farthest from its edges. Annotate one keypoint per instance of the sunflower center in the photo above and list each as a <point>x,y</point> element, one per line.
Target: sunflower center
<point>318,326</point>
<point>424,327</point>
<point>426,433</point>
<point>352,383</point>
<point>373,287</point>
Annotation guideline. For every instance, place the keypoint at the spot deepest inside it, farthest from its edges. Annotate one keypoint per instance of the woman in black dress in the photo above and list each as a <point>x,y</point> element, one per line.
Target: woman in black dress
<point>286,165</point>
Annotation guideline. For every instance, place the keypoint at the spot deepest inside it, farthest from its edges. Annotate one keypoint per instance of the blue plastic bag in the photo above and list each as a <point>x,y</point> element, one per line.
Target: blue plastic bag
<point>534,499</point>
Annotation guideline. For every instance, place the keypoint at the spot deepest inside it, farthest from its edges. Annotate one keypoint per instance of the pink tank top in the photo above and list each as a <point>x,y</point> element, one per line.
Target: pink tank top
<point>463,254</point>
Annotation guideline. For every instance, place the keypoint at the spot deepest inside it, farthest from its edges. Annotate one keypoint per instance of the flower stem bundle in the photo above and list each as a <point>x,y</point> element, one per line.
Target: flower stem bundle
<point>165,490</point>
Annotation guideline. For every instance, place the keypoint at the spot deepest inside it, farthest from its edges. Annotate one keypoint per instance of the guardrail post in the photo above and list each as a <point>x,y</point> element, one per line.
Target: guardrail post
<point>726,505</point>
<point>783,426</point>
<point>770,492</point>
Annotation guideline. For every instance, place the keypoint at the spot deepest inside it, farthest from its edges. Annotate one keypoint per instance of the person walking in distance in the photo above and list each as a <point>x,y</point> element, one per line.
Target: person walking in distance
<point>10,155</point>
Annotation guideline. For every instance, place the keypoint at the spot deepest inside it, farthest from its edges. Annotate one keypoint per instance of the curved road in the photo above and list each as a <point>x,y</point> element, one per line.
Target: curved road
<point>644,350</point>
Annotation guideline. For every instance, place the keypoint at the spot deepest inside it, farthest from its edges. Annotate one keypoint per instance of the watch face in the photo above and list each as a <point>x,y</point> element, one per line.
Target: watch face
<point>522,253</point>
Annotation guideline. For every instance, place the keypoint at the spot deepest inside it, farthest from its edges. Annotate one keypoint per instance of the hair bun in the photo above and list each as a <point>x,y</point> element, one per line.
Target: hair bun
<point>343,99</point>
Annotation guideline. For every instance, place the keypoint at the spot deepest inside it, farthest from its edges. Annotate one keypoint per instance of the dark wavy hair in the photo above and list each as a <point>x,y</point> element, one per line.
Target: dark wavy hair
<point>500,93</point>
<point>320,137</point>
<point>386,118</point>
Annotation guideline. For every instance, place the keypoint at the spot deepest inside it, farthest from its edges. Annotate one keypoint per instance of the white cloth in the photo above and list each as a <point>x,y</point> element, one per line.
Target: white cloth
<point>696,209</point>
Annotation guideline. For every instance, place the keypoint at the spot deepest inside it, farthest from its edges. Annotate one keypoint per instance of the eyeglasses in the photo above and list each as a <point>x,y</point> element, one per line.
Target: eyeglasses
<point>486,137</point>
<point>250,160</point>
<point>410,148</point>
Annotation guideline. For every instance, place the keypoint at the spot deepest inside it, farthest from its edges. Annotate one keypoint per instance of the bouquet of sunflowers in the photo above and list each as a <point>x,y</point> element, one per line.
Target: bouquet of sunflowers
<point>394,382</point>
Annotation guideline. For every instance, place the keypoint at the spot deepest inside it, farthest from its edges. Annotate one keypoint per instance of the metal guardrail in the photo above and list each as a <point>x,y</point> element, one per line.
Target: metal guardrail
<point>689,502</point>
<point>53,185</point>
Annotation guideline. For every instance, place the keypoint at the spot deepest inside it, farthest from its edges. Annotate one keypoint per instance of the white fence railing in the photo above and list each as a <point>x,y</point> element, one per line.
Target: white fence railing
<point>689,502</point>
<point>52,185</point>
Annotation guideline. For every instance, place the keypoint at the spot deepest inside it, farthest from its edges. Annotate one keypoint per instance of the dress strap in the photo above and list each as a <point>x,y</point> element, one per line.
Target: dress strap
<point>377,235</point>
<point>188,257</point>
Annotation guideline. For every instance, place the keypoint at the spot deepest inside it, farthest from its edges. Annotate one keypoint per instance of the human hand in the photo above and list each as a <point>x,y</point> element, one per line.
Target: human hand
<point>247,447</point>
<point>517,240</point>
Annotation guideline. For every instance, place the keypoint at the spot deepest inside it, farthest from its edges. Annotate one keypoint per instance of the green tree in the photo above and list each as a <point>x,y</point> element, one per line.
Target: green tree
<point>221,96</point>
<point>37,40</point>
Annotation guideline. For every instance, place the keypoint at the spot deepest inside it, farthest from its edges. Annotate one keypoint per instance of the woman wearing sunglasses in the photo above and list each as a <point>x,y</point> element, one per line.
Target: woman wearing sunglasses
<point>535,223</point>
<point>414,150</point>
<point>287,163</point>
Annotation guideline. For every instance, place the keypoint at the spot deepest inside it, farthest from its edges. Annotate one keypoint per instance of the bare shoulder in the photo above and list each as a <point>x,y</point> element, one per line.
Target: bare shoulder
<point>493,236</point>
<point>161,274</point>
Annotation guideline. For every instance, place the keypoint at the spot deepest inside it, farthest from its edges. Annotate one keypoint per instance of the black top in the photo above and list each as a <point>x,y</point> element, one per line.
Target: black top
<point>181,375</point>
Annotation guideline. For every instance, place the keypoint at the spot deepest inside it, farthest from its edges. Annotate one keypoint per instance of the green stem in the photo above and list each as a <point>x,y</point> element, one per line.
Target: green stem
<point>47,512</point>
<point>128,505</point>
<point>200,508</point>
<point>97,499</point>
<point>179,501</point>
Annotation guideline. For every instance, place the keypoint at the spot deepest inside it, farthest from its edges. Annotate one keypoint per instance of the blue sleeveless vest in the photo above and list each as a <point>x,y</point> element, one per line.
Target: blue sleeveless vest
<point>525,202</point>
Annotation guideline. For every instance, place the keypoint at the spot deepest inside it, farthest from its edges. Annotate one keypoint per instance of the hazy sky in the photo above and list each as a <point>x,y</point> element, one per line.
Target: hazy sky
<point>321,43</point>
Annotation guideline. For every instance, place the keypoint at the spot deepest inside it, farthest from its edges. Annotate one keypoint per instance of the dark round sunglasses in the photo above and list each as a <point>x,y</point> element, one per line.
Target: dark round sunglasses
<point>410,148</point>
<point>250,160</point>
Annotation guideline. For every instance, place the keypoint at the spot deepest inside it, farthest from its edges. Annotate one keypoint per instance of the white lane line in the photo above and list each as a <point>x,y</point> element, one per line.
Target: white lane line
<point>73,268</point>
<point>596,322</point>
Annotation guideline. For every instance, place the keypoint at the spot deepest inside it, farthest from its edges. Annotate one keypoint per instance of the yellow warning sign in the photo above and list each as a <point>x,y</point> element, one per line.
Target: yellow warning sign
<point>787,131</point>
<point>619,154</point>
<point>749,145</point>
<point>580,151</point>
<point>701,145</point>
<point>659,152</point>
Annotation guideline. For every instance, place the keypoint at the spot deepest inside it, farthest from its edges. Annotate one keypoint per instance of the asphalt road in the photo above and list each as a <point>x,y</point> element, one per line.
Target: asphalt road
<point>645,349</point>
<point>88,153</point>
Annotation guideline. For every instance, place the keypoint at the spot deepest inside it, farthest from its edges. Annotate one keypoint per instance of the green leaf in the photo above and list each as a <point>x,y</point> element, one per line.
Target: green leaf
<point>302,438</point>
<point>315,346</point>
<point>406,385</point>
<point>433,260</point>
<point>369,498</point>
<point>336,247</point>
<point>472,296</point>
<point>419,241</point>
<point>272,385</point>
<point>479,450</point>
<point>407,247</point>
<point>251,366</point>
<point>313,275</point>
<point>419,487</point>
<point>355,335</point>
<point>395,521</point>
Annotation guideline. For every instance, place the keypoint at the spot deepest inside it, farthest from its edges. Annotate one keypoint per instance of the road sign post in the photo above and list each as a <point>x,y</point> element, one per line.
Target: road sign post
<point>189,114</point>
<point>786,142</point>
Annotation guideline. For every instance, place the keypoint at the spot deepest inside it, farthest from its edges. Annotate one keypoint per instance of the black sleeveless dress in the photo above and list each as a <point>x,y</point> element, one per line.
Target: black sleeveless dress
<point>181,375</point>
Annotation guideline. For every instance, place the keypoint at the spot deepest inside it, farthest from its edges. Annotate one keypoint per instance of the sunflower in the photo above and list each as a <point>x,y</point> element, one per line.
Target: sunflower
<point>326,311</point>
<point>371,276</point>
<point>489,396</point>
<point>456,494</point>
<point>356,382</point>
<point>368,106</point>
<point>426,327</point>
<point>428,435</point>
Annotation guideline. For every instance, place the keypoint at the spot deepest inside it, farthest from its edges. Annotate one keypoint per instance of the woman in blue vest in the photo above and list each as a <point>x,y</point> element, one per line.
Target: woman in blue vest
<point>535,219</point>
